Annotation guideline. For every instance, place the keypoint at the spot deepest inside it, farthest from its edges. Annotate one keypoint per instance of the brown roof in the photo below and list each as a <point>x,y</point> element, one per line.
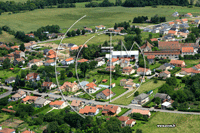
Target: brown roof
<point>111,108</point>
<point>174,45</point>
<point>189,14</point>
<point>189,70</point>
<point>76,103</point>
<point>88,109</point>
<point>8,110</point>
<point>185,19</point>
<point>171,23</point>
<point>150,56</point>
<point>123,118</point>
<point>17,52</point>
<point>91,85</point>
<point>147,44</point>
<point>127,69</point>
<point>13,47</point>
<point>34,60</point>
<point>56,103</point>
<point>4,46</point>
<point>28,131</point>
<point>177,62</point>
<point>114,59</point>
<point>140,69</point>
<point>197,66</point>
<point>187,49</point>
<point>29,98</point>
<point>68,84</point>
<point>74,48</point>
<point>50,61</point>
<point>69,59</point>
<point>167,72</point>
<point>108,68</point>
<point>82,60</point>
<point>130,121</point>
<point>172,32</point>
<point>19,59</point>
<point>154,39</point>
<point>47,84</point>
<point>7,130</point>
<point>30,75</point>
<point>106,92</point>
<point>178,20</point>
<point>162,53</point>
<point>143,112</point>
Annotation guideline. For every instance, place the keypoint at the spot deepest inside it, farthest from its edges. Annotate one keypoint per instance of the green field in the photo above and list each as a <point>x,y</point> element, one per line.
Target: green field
<point>65,17</point>
<point>184,123</point>
<point>191,63</point>
<point>144,87</point>
<point>98,39</point>
<point>6,38</point>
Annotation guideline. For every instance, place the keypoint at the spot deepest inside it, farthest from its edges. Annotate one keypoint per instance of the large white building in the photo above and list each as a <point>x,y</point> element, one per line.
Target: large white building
<point>123,54</point>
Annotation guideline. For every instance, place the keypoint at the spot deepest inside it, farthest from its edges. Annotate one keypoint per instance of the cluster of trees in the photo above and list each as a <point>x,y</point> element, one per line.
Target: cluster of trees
<point>138,116</point>
<point>77,32</point>
<point>4,51</point>
<point>23,37</point>
<point>143,3</point>
<point>68,5</point>
<point>105,3</point>
<point>11,6</point>
<point>190,57</point>
<point>193,34</point>
<point>84,67</point>
<point>124,24</point>
<point>156,19</point>
<point>140,19</point>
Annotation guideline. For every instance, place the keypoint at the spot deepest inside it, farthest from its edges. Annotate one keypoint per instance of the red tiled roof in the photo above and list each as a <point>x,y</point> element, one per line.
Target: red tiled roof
<point>47,84</point>
<point>172,32</point>
<point>123,118</point>
<point>130,121</point>
<point>111,108</point>
<point>162,53</point>
<point>178,20</point>
<point>13,47</point>
<point>175,45</point>
<point>91,85</point>
<point>189,70</point>
<point>108,68</point>
<point>143,112</point>
<point>30,75</point>
<point>147,44</point>
<point>8,110</point>
<point>88,109</point>
<point>114,59</point>
<point>7,130</point>
<point>29,98</point>
<point>74,48</point>
<point>106,92</point>
<point>68,84</point>
<point>171,23</point>
<point>189,14</point>
<point>150,56</point>
<point>76,103</point>
<point>99,106</point>
<point>177,62</point>
<point>82,45</point>
<point>187,49</point>
<point>28,131</point>
<point>185,19</point>
<point>82,60</point>
<point>69,59</point>
<point>140,69</point>
<point>197,66</point>
<point>50,61</point>
<point>34,60</point>
<point>56,103</point>
<point>154,39</point>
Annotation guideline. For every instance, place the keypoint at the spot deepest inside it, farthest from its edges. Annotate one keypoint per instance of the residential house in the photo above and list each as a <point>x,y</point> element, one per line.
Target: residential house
<point>158,26</point>
<point>30,45</point>
<point>156,30</point>
<point>164,31</point>
<point>6,130</point>
<point>166,67</point>
<point>154,39</point>
<point>184,30</point>
<point>106,49</point>
<point>68,86</point>
<point>133,55</point>
<point>143,71</point>
<point>17,60</point>
<point>48,85</point>
<point>10,80</point>
<point>163,97</point>
<point>58,104</point>
<point>82,60</point>
<point>151,58</point>
<point>146,47</point>
<point>169,46</point>
<point>88,30</point>
<point>168,37</point>
<point>178,21</point>
<point>172,32</point>
<point>105,94</point>
<point>141,99</point>
<point>19,54</point>
<point>18,95</point>
<point>114,62</point>
<point>178,63</point>
<point>29,99</point>
<point>166,105</point>
<point>15,47</point>
<point>124,62</point>
<point>32,77</point>
<point>142,112</point>
<point>189,71</point>
<point>45,51</point>
<point>165,74</point>
<point>100,61</point>
<point>51,54</point>
<point>127,83</point>
<point>196,67</point>
<point>59,35</point>
<point>111,110</point>
<point>36,62</point>
<point>91,87</point>
<point>100,27</point>
<point>70,45</point>
<point>67,61</point>
<point>89,110</point>
<point>110,68</point>
<point>174,29</point>
<point>147,30</point>
<point>187,51</point>
<point>171,23</point>
<point>182,34</point>
<point>184,25</point>
<point>4,46</point>
<point>126,121</point>
<point>77,104</point>
<point>50,62</point>
<point>188,15</point>
<point>164,54</point>
<point>176,14</point>
<point>52,35</point>
<point>41,102</point>
<point>128,70</point>
<point>27,131</point>
<point>30,35</point>
<point>74,48</point>
<point>197,21</point>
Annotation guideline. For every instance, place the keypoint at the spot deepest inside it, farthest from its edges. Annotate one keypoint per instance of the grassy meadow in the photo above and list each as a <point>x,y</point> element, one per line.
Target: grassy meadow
<point>184,123</point>
<point>65,17</point>
<point>6,38</point>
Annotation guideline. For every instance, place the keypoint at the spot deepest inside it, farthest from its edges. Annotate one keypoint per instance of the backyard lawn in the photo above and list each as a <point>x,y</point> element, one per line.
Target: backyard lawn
<point>191,63</point>
<point>144,87</point>
<point>6,38</point>
<point>184,123</point>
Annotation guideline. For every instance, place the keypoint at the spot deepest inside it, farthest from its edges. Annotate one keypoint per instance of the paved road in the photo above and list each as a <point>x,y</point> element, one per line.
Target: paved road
<point>130,106</point>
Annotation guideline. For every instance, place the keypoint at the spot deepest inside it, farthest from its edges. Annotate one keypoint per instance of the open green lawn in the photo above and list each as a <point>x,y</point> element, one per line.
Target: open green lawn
<point>156,65</point>
<point>184,123</point>
<point>6,38</point>
<point>144,87</point>
<point>123,111</point>
<point>6,74</point>
<point>98,39</point>
<point>191,63</point>
<point>45,111</point>
<point>65,17</point>
<point>3,116</point>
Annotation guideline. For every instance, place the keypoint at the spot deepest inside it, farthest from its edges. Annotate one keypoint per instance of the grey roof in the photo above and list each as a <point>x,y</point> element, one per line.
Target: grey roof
<point>173,29</point>
<point>10,79</point>
<point>40,100</point>
<point>161,95</point>
<point>196,21</point>
<point>46,51</point>
<point>184,25</point>
<point>183,30</point>
<point>167,64</point>
<point>141,96</point>
<point>158,25</point>
<point>71,45</point>
<point>83,83</point>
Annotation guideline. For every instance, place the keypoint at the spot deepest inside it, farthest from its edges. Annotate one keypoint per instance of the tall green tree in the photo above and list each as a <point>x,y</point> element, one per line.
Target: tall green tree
<point>22,47</point>
<point>84,67</point>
